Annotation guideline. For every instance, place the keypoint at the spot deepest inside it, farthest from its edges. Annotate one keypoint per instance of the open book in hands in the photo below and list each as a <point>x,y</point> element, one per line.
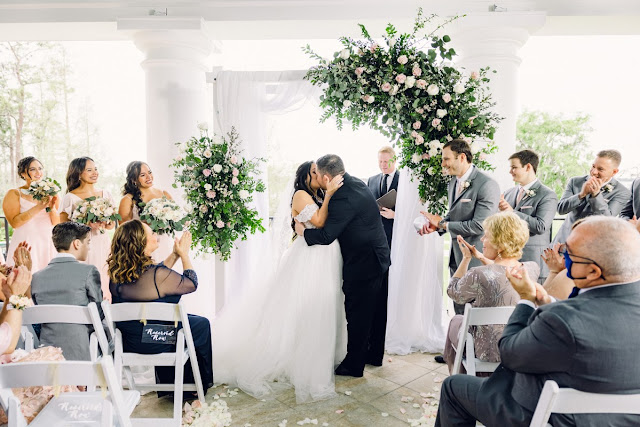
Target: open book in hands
<point>388,200</point>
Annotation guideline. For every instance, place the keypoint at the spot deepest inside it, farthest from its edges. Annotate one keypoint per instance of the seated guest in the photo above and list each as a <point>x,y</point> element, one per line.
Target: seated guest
<point>586,342</point>
<point>135,278</point>
<point>505,235</point>
<point>12,282</point>
<point>66,280</point>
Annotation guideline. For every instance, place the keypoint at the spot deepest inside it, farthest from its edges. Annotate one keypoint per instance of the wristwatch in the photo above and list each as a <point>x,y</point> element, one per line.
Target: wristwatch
<point>442,225</point>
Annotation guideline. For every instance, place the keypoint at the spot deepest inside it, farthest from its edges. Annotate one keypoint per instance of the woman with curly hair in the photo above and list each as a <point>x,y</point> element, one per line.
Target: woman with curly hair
<point>138,190</point>
<point>136,278</point>
<point>505,235</point>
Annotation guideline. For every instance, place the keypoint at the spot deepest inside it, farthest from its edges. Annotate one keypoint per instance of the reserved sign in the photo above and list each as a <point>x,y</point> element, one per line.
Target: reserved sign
<point>159,334</point>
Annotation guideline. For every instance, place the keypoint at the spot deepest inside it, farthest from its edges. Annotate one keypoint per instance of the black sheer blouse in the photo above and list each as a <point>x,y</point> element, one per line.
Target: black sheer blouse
<point>158,283</point>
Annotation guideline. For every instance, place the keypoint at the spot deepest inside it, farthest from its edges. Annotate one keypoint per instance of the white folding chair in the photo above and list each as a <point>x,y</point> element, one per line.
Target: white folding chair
<point>477,316</point>
<point>156,311</point>
<point>554,399</point>
<point>70,314</point>
<point>47,373</point>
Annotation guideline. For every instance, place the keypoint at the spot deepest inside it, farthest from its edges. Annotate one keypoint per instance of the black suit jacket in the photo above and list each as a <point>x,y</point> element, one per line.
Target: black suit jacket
<point>571,343</point>
<point>374,184</point>
<point>354,219</point>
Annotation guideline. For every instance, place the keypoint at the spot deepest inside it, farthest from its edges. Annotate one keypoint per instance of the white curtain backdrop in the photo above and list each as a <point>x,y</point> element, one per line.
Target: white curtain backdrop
<point>243,100</point>
<point>416,316</point>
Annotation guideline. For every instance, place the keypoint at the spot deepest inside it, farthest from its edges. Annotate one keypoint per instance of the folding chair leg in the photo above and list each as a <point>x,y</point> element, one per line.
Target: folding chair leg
<point>129,376</point>
<point>179,377</point>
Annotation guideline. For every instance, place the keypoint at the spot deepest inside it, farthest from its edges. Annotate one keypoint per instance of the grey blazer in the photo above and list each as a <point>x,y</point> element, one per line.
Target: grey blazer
<point>67,281</point>
<point>633,205</point>
<point>568,342</point>
<point>538,211</point>
<point>605,203</point>
<point>468,210</point>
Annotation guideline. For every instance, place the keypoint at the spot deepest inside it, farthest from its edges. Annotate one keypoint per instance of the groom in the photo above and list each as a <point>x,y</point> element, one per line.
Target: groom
<point>354,219</point>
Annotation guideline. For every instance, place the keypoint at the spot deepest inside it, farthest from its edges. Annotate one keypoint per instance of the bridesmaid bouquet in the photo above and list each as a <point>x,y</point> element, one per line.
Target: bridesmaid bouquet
<point>46,187</point>
<point>164,216</point>
<point>95,209</point>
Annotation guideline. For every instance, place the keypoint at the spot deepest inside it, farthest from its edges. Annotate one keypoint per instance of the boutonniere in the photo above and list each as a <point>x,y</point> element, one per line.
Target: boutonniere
<point>529,193</point>
<point>466,184</point>
<point>607,188</point>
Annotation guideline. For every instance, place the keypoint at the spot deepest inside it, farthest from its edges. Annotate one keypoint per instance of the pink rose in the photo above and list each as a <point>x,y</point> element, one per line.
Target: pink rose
<point>426,156</point>
<point>373,47</point>
<point>220,224</point>
<point>233,159</point>
<point>400,78</point>
<point>386,87</point>
<point>359,71</point>
<point>402,59</point>
<point>417,125</point>
<point>435,123</point>
<point>211,194</point>
<point>419,139</point>
<point>414,134</point>
<point>474,75</point>
<point>446,98</point>
<point>206,172</point>
<point>421,84</point>
<point>235,181</point>
<point>416,71</point>
<point>420,110</point>
<point>235,172</point>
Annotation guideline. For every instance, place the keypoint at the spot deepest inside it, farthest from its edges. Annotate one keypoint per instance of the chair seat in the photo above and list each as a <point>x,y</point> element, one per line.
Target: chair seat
<point>481,365</point>
<point>159,359</point>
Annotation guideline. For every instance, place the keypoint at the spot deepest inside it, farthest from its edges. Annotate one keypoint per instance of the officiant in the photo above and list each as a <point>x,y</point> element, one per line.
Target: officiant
<point>383,183</point>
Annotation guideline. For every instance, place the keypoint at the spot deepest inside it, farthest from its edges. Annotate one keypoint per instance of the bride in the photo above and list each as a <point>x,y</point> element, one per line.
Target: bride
<point>290,328</point>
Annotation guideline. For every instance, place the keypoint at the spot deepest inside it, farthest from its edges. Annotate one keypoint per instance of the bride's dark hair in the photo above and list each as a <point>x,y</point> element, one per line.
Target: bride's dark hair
<point>301,182</point>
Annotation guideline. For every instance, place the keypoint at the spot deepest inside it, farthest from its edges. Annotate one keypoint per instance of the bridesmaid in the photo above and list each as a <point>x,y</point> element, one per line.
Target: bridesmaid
<point>28,217</point>
<point>139,189</point>
<point>81,179</point>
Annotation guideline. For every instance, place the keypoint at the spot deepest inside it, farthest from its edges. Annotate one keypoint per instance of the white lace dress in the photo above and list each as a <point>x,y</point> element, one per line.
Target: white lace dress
<point>289,329</point>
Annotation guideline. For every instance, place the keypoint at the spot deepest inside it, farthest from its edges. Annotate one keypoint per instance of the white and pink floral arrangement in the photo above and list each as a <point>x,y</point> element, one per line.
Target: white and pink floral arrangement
<point>406,87</point>
<point>42,189</point>
<point>219,184</point>
<point>163,215</point>
<point>95,209</point>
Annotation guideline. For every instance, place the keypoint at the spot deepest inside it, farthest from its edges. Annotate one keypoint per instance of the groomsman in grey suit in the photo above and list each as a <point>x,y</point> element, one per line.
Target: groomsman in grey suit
<point>534,202</point>
<point>632,208</point>
<point>598,193</point>
<point>384,182</point>
<point>67,281</point>
<point>473,196</point>
<point>567,341</point>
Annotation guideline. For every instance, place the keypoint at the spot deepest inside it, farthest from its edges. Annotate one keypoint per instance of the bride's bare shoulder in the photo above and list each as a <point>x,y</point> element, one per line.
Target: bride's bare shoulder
<point>300,199</point>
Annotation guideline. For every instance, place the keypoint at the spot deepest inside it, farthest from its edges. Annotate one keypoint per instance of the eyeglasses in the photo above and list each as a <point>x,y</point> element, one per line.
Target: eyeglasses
<point>564,251</point>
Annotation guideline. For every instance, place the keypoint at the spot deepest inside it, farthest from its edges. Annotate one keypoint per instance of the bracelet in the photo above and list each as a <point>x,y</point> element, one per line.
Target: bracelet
<point>19,302</point>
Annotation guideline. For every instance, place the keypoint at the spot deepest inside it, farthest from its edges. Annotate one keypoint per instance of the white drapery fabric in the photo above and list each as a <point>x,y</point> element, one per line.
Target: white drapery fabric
<point>416,316</point>
<point>243,99</point>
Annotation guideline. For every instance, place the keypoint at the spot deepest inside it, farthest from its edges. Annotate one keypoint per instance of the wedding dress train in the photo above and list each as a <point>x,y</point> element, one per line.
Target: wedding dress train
<point>288,329</point>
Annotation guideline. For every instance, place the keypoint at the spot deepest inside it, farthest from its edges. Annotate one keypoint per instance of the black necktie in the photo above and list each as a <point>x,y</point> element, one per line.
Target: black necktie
<point>383,187</point>
<point>574,292</point>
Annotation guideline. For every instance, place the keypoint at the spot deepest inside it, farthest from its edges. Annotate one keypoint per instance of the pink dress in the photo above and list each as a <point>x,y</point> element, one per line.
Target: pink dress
<point>37,233</point>
<point>100,242</point>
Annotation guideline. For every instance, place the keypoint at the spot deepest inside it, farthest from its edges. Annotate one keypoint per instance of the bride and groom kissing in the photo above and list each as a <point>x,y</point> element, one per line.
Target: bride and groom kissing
<point>290,329</point>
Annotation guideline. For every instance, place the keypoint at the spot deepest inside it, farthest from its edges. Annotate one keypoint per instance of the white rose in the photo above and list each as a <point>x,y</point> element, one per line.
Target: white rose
<point>207,186</point>
<point>430,170</point>
<point>389,122</point>
<point>217,168</point>
<point>433,90</point>
<point>203,126</point>
<point>410,81</point>
<point>392,41</point>
<point>217,140</point>
<point>394,90</point>
<point>346,103</point>
<point>458,88</point>
<point>207,153</point>
<point>415,158</point>
<point>244,194</point>
<point>344,54</point>
<point>446,98</point>
<point>371,99</point>
<point>402,59</point>
<point>441,113</point>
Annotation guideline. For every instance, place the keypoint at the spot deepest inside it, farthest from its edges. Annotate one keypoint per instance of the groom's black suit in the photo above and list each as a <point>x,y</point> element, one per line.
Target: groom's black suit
<point>354,219</point>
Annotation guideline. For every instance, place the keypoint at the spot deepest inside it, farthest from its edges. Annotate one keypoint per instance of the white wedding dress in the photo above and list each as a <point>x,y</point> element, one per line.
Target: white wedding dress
<point>288,329</point>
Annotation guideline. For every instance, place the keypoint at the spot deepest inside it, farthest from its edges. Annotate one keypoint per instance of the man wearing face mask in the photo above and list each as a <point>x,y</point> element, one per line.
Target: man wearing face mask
<point>566,341</point>
<point>598,193</point>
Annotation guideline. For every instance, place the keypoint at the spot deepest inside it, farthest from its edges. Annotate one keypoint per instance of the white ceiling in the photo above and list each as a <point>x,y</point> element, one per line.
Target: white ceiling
<point>252,19</point>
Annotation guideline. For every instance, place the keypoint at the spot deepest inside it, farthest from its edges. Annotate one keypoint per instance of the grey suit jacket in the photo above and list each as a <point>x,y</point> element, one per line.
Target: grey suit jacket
<point>468,210</point>
<point>568,342</point>
<point>67,281</point>
<point>633,205</point>
<point>605,203</point>
<point>538,211</point>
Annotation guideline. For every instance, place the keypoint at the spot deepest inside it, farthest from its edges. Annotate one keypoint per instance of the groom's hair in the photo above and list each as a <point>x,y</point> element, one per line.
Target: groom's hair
<point>330,164</point>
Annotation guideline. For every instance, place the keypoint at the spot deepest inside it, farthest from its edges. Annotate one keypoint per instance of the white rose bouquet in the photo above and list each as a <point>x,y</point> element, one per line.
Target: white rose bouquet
<point>95,209</point>
<point>214,414</point>
<point>163,215</point>
<point>40,190</point>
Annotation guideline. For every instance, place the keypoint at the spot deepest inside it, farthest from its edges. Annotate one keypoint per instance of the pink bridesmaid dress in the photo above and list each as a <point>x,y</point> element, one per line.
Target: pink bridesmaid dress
<point>37,233</point>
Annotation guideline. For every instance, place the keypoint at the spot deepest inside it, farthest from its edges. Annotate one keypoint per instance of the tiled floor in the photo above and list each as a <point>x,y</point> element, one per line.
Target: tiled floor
<point>395,389</point>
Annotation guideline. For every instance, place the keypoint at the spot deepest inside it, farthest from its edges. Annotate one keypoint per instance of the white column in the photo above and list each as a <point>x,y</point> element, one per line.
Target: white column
<point>176,51</point>
<point>493,39</point>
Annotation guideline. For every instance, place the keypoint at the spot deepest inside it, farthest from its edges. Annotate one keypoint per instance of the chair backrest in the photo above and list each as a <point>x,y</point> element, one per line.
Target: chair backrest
<point>477,316</point>
<point>70,314</point>
<point>158,311</point>
<point>48,373</point>
<point>554,399</point>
